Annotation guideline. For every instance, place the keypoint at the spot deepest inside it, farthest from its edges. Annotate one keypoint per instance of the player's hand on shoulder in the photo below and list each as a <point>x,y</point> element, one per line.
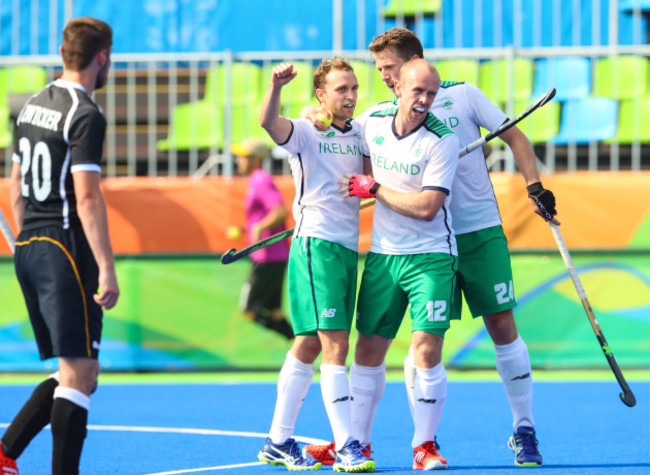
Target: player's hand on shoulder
<point>543,202</point>
<point>108,292</point>
<point>320,116</point>
<point>283,74</point>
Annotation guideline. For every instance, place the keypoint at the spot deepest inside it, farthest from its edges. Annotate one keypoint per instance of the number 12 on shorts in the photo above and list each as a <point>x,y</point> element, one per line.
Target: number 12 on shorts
<point>504,292</point>
<point>436,310</point>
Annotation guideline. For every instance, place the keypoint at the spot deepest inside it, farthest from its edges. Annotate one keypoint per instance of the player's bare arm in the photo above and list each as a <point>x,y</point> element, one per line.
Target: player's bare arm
<point>526,162</point>
<point>16,196</point>
<point>278,127</point>
<point>91,208</point>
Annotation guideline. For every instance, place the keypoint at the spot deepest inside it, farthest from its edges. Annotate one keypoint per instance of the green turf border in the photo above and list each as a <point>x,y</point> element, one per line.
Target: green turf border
<point>12,379</point>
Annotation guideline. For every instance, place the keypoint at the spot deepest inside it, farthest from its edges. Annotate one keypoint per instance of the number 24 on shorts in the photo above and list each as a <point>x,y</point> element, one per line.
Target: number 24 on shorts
<point>505,292</point>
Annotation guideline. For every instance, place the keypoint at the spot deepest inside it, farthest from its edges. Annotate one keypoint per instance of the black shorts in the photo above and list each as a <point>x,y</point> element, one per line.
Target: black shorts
<point>263,290</point>
<point>59,276</point>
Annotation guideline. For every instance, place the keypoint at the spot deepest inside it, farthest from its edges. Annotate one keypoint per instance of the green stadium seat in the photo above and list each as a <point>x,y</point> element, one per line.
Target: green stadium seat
<point>621,77</point>
<point>633,121</point>
<point>410,8</point>
<point>496,81</point>
<point>543,124</point>
<point>458,70</point>
<point>200,124</point>
<point>246,83</point>
<point>194,125</point>
<point>5,132</point>
<point>21,80</point>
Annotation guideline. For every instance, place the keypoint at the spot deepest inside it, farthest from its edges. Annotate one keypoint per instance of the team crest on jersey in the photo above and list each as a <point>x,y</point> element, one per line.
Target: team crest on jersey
<point>447,103</point>
<point>418,152</point>
<point>328,134</point>
<point>378,139</point>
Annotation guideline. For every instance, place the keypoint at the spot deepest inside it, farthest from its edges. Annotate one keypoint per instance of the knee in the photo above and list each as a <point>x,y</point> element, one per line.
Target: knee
<point>427,351</point>
<point>501,327</point>
<point>306,348</point>
<point>371,352</point>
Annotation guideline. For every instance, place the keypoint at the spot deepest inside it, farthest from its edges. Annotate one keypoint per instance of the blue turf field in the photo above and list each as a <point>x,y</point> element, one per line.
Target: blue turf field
<point>209,428</point>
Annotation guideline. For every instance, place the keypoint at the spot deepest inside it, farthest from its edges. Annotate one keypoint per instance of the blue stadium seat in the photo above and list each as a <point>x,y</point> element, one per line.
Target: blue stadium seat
<point>587,120</point>
<point>570,76</point>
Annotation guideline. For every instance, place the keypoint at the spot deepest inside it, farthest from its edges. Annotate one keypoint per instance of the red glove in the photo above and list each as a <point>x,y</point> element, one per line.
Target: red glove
<point>363,186</point>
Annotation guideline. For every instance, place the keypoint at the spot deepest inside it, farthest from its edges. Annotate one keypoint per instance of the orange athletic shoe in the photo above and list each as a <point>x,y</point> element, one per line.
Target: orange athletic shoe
<point>326,454</point>
<point>426,457</point>
<point>7,465</point>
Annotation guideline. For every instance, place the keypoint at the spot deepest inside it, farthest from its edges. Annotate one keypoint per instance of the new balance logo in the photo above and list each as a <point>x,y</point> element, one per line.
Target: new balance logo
<point>328,313</point>
<point>427,401</point>
<point>342,399</point>
<point>523,376</point>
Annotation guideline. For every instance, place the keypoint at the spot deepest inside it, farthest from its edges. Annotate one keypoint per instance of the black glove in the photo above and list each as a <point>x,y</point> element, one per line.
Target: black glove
<point>544,199</point>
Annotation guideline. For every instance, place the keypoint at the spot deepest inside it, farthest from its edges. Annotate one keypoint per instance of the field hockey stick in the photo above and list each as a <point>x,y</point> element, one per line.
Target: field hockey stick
<point>626,396</point>
<point>234,255</point>
<point>550,94</point>
<point>7,232</point>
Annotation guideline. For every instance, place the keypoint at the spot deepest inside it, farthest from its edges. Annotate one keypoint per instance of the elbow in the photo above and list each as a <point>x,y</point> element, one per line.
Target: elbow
<point>87,204</point>
<point>428,215</point>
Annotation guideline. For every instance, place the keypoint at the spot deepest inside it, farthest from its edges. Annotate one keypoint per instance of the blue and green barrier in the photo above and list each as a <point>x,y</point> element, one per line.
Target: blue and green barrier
<point>180,313</point>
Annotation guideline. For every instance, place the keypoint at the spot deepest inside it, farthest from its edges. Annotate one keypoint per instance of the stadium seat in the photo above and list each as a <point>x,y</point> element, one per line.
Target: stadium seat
<point>587,120</point>
<point>21,80</point>
<point>621,77</point>
<point>633,121</point>
<point>5,133</point>
<point>246,83</point>
<point>458,70</point>
<point>14,81</point>
<point>410,8</point>
<point>570,76</point>
<point>543,124</point>
<point>194,125</point>
<point>496,81</point>
<point>201,124</point>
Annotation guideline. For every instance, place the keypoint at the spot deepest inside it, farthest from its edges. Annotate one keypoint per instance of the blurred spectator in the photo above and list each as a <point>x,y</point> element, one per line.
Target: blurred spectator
<point>261,295</point>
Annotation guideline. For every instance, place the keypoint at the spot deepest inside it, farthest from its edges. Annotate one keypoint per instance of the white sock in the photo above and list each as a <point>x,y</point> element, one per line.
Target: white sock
<point>293,384</point>
<point>409,378</point>
<point>430,393</point>
<point>335,388</point>
<point>513,365</point>
<point>367,385</point>
<point>73,395</point>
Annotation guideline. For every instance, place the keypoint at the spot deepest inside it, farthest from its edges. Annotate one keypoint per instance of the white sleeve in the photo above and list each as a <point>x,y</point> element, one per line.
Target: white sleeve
<point>301,129</point>
<point>441,167</point>
<point>484,112</point>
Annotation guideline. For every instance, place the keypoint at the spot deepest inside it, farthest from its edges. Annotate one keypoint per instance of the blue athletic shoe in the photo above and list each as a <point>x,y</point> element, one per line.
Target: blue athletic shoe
<point>524,443</point>
<point>287,454</point>
<point>351,459</point>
